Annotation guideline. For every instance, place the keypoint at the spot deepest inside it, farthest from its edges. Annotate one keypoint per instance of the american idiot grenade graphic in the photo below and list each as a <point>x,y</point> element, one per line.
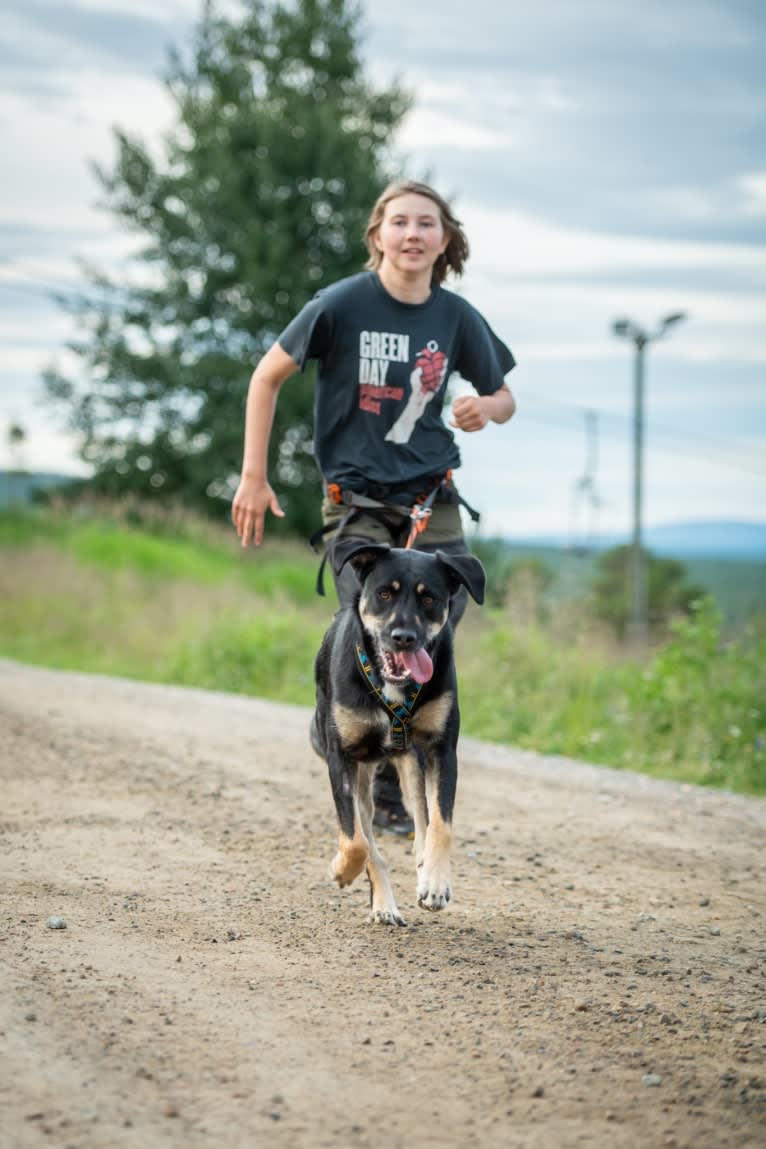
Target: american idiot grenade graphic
<point>425,380</point>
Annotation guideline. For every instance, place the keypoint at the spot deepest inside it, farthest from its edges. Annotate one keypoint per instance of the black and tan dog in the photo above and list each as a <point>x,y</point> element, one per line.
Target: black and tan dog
<point>386,690</point>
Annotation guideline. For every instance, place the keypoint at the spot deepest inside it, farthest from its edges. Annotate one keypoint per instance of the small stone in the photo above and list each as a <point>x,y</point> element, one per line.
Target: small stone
<point>715,931</point>
<point>30,1016</point>
<point>651,1079</point>
<point>55,923</point>
<point>539,1092</point>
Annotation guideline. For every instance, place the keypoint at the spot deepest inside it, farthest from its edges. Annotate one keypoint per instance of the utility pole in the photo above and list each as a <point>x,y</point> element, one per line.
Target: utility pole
<point>639,613</point>
<point>639,597</point>
<point>582,540</point>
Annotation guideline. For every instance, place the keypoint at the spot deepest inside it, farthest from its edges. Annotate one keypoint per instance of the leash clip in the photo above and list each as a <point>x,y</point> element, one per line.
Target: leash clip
<point>420,514</point>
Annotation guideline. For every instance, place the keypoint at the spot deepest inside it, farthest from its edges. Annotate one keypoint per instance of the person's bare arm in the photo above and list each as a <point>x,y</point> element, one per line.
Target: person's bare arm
<point>473,412</point>
<point>254,495</point>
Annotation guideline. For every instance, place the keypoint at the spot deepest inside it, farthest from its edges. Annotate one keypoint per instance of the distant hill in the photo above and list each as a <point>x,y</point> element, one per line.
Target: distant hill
<point>727,560</point>
<point>20,486</point>
<point>712,539</point>
<point>726,539</point>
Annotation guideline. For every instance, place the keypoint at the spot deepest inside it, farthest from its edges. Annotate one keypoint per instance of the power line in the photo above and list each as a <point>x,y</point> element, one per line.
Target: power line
<point>730,452</point>
<point>679,431</point>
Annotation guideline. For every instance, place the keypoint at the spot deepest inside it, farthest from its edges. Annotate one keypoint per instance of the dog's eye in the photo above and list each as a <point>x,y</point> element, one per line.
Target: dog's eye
<point>427,599</point>
<point>385,594</point>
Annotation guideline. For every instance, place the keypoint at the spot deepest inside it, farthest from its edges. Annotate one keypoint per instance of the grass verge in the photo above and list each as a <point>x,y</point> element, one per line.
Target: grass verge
<point>188,606</point>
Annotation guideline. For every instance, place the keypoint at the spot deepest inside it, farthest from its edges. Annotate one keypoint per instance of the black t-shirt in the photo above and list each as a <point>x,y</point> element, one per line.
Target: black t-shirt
<point>382,373</point>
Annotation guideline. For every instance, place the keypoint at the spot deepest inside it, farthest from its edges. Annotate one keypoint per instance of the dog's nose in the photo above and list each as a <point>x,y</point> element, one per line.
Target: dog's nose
<point>404,639</point>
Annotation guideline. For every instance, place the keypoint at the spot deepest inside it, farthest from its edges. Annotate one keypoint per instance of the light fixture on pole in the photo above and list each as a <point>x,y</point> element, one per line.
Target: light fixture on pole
<point>627,329</point>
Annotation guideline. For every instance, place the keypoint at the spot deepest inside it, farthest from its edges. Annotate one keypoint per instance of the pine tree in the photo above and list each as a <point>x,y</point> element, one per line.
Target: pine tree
<point>279,148</point>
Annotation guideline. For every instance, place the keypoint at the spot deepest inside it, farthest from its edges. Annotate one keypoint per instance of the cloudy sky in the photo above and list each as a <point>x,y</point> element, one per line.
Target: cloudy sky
<point>608,159</point>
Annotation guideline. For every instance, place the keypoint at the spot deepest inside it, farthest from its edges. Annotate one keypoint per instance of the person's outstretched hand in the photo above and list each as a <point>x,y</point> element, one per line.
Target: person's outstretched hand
<point>248,511</point>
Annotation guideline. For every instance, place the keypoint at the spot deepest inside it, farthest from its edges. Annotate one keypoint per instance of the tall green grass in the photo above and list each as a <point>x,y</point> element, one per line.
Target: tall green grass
<point>693,710</point>
<point>180,602</point>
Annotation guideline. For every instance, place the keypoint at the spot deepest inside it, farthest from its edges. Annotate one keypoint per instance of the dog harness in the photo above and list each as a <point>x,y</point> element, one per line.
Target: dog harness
<point>418,514</point>
<point>401,713</point>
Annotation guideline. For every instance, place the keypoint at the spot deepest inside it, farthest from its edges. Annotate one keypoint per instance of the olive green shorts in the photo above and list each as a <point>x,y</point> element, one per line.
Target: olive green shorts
<point>444,526</point>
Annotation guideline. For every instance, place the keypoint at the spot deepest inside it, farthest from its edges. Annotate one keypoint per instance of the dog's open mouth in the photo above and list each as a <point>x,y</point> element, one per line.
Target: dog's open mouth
<point>401,665</point>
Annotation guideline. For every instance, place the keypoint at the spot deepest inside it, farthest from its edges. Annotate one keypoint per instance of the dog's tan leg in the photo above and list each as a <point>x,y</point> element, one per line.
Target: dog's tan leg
<point>353,846</point>
<point>413,787</point>
<point>383,908</point>
<point>352,854</point>
<point>435,871</point>
<point>350,859</point>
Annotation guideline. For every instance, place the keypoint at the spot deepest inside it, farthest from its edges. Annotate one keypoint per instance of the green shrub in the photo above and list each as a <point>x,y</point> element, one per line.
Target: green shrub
<point>700,704</point>
<point>271,655</point>
<point>694,711</point>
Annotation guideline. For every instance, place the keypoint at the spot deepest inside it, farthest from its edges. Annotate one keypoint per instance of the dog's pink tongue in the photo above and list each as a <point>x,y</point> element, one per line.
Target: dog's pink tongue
<point>419,665</point>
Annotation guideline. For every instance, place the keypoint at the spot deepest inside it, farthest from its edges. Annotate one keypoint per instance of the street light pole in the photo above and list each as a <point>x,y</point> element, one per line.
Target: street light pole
<point>639,596</point>
<point>638,590</point>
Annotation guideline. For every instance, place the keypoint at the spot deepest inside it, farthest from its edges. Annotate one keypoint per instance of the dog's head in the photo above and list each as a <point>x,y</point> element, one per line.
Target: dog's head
<point>404,601</point>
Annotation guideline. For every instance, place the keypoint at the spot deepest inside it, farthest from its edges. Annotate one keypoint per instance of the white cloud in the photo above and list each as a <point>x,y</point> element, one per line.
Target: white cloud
<point>753,188</point>
<point>45,449</point>
<point>741,197</point>
<point>145,8</point>
<point>28,361</point>
<point>521,243</point>
<point>433,128</point>
<point>51,183</point>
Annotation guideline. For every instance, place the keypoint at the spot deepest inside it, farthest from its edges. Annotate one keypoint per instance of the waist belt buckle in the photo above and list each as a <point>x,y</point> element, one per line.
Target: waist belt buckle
<point>420,514</point>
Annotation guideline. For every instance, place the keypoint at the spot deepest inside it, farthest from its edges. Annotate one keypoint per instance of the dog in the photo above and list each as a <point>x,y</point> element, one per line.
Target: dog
<point>386,689</point>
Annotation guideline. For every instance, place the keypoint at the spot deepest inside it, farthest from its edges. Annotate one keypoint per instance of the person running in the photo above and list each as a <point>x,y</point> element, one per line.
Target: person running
<point>386,341</point>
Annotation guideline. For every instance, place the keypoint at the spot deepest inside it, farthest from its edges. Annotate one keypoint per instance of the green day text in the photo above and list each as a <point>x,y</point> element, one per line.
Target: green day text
<point>376,350</point>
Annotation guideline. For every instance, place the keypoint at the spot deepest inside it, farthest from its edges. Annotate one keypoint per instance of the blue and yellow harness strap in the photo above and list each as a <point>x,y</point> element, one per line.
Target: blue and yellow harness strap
<point>401,712</point>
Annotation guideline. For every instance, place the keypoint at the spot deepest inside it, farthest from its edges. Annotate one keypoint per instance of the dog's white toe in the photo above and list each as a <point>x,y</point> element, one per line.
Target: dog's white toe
<point>434,892</point>
<point>386,918</point>
<point>435,901</point>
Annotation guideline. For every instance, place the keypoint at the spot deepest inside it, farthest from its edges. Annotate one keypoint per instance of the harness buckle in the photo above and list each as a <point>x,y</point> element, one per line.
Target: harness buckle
<point>420,515</point>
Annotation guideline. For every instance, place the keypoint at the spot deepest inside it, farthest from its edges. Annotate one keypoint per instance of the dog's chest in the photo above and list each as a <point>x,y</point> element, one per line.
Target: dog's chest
<point>363,732</point>
<point>372,731</point>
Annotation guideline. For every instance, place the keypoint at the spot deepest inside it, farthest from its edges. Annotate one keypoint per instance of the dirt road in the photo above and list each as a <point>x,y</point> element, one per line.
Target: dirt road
<point>599,981</point>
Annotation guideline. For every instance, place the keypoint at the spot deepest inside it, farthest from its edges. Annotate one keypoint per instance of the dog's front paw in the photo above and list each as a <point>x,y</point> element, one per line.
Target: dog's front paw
<point>349,862</point>
<point>386,918</point>
<point>434,888</point>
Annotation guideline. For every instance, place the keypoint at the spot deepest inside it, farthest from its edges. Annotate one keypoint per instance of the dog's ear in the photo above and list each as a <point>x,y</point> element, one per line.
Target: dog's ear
<point>361,555</point>
<point>467,571</point>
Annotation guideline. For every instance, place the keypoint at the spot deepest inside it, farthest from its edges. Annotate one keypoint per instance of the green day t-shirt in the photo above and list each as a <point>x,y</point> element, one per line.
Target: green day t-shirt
<point>382,373</point>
